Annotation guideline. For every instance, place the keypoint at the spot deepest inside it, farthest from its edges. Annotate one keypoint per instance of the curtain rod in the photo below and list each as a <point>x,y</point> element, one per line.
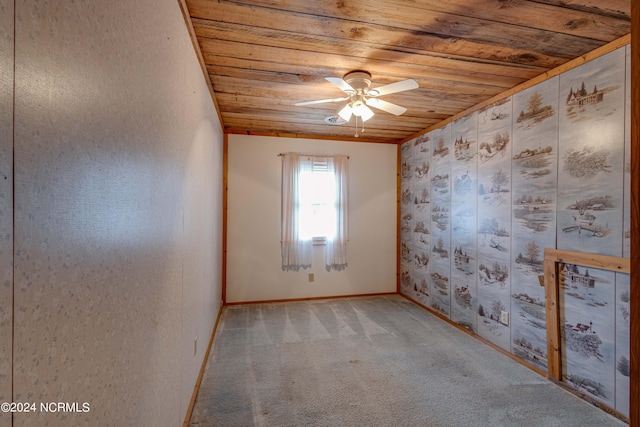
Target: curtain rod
<point>315,155</point>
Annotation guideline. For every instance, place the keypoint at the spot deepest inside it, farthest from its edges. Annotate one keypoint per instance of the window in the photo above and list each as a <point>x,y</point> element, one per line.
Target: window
<point>314,208</point>
<point>317,203</point>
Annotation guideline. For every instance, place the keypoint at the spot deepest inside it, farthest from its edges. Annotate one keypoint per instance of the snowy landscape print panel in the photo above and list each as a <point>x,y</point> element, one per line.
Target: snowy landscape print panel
<point>440,178</point>
<point>626,248</point>
<point>494,222</point>
<point>464,171</point>
<point>587,325</point>
<point>534,181</point>
<point>591,156</point>
<point>422,218</point>
<point>406,220</point>
<point>406,197</point>
<point>440,280</point>
<point>623,337</point>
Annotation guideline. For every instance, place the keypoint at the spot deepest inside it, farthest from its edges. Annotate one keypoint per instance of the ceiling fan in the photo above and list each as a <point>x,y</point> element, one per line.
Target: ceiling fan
<point>356,85</point>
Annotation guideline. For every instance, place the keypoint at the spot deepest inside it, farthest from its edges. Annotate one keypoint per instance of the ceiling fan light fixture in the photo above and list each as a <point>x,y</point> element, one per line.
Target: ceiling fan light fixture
<point>364,112</point>
<point>358,107</point>
<point>346,113</point>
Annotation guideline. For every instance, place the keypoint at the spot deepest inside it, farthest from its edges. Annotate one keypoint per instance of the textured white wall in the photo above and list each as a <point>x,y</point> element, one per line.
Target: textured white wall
<point>6,201</point>
<point>118,177</point>
<point>254,271</point>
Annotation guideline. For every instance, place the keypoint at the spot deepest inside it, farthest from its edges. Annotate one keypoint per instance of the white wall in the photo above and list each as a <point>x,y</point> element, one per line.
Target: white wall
<point>254,265</point>
<point>118,189</point>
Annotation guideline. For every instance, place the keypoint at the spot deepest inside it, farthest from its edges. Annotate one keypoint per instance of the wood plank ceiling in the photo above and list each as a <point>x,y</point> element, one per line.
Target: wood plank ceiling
<point>263,56</point>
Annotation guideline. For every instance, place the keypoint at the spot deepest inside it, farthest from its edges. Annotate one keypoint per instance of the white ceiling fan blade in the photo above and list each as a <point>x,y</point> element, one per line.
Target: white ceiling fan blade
<point>385,106</point>
<point>341,84</point>
<point>394,87</point>
<point>321,101</point>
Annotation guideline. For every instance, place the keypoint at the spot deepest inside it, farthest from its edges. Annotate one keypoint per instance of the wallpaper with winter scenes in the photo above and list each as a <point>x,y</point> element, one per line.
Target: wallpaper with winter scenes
<point>484,195</point>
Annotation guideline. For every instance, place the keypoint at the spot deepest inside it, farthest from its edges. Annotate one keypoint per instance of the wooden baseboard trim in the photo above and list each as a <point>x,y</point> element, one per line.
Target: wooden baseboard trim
<point>512,356</point>
<point>537,370</point>
<point>438,315</point>
<point>196,388</point>
<point>310,298</point>
<point>591,400</point>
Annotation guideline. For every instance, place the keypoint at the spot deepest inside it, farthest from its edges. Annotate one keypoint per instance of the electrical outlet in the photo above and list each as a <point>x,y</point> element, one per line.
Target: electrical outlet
<point>504,318</point>
<point>195,346</point>
<point>311,277</point>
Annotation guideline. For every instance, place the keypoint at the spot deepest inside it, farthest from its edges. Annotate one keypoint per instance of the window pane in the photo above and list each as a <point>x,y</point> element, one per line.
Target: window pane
<point>317,204</point>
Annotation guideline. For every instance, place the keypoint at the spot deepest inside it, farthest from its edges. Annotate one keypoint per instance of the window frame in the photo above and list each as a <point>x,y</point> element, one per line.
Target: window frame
<point>319,165</point>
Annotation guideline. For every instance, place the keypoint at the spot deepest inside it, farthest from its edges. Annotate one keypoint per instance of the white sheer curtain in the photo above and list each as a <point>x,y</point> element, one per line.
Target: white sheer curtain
<point>336,251</point>
<point>296,240</point>
<point>296,251</point>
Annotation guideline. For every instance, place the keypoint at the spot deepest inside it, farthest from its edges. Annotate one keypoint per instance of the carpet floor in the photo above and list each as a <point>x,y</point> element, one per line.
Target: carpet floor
<point>370,361</point>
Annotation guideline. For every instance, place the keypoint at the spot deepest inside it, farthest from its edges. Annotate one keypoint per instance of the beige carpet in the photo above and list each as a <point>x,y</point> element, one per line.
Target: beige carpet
<point>369,361</point>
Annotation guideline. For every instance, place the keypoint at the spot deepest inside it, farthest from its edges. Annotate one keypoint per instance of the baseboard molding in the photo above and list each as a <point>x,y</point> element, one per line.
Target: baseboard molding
<point>478,337</point>
<point>537,370</point>
<point>591,400</point>
<point>311,298</point>
<point>196,388</point>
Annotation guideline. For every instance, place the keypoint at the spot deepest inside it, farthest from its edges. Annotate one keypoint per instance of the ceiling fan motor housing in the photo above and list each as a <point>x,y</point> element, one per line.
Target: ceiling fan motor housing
<point>359,80</point>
